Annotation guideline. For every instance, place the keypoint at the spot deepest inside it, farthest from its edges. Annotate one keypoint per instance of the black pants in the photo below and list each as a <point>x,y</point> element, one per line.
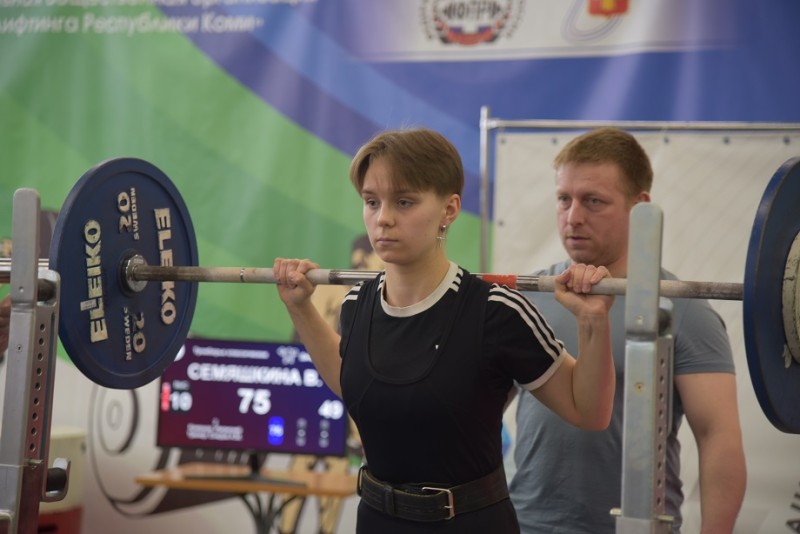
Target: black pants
<point>498,518</point>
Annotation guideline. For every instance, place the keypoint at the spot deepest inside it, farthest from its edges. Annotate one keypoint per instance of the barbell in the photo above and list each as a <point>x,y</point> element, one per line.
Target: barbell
<point>123,238</point>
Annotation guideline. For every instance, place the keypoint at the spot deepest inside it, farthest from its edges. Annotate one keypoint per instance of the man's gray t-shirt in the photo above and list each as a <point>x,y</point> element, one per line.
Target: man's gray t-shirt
<point>567,479</point>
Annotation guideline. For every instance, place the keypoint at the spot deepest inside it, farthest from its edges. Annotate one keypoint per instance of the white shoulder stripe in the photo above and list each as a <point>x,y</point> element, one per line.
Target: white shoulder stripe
<point>381,281</point>
<point>352,293</point>
<point>530,315</point>
<point>515,296</point>
<point>456,283</point>
<point>544,337</point>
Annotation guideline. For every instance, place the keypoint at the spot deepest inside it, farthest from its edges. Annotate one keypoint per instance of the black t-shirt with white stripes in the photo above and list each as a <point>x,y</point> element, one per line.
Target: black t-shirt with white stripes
<point>426,385</point>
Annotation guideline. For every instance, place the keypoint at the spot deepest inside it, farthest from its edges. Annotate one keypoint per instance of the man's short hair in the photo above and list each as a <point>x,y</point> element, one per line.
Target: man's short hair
<point>611,145</point>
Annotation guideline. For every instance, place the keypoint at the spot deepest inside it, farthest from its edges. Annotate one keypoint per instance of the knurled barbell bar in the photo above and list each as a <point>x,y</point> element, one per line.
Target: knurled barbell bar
<point>139,272</point>
<point>124,225</point>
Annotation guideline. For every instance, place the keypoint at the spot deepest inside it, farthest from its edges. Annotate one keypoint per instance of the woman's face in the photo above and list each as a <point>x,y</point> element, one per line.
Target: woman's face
<point>403,224</point>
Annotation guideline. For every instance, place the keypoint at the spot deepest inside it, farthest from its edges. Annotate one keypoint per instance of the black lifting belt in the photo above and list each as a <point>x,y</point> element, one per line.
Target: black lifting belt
<point>433,502</point>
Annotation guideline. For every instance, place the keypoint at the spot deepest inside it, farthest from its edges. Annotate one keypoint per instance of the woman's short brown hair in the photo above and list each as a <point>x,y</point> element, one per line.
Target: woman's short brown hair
<point>419,158</point>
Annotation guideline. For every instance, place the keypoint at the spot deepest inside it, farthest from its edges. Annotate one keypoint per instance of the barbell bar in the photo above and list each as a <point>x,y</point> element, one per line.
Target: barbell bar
<point>140,272</point>
<point>124,226</point>
<point>46,289</point>
<point>536,283</point>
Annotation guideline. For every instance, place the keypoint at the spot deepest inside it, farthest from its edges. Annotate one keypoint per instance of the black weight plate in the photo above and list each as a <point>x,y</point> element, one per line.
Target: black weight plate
<point>776,225</point>
<point>117,337</point>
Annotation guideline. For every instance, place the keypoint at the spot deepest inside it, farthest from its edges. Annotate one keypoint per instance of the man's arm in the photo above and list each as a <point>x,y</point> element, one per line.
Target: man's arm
<point>710,404</point>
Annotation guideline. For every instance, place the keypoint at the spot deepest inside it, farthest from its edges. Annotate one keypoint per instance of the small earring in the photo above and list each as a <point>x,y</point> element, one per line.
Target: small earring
<point>443,234</point>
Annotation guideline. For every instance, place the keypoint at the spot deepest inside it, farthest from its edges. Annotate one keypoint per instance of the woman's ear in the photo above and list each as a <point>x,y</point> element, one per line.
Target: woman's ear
<point>451,209</point>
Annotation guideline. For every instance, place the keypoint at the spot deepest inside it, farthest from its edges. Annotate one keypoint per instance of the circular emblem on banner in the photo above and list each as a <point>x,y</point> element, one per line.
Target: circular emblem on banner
<point>470,23</point>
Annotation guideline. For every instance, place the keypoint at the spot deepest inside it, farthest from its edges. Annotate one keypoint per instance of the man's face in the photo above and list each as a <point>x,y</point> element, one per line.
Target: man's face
<point>593,213</point>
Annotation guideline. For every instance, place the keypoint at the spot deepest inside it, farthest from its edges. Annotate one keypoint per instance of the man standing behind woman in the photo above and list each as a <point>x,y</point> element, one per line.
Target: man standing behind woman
<point>569,480</point>
<point>429,353</point>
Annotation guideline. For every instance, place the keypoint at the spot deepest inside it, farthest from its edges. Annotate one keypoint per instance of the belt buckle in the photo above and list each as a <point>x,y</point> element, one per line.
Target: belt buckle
<point>450,502</point>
